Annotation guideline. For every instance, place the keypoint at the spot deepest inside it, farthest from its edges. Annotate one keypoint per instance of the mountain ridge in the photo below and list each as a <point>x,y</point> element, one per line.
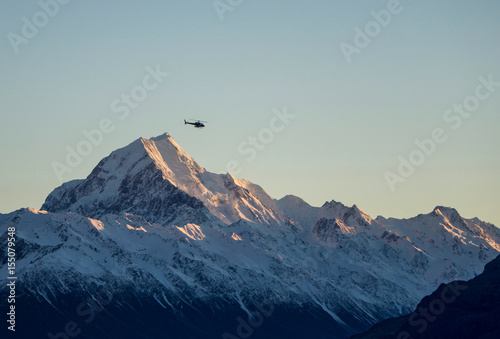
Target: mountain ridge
<point>150,221</point>
<point>162,161</point>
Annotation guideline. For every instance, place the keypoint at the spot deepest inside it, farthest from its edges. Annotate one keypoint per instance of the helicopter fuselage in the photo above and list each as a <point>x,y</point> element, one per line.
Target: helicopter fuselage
<point>197,124</point>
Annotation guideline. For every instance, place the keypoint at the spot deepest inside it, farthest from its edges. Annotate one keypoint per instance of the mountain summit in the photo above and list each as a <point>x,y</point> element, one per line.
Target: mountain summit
<point>152,245</point>
<point>139,177</point>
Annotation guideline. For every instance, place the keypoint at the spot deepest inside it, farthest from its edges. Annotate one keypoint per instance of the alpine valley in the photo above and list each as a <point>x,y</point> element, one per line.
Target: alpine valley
<point>152,245</point>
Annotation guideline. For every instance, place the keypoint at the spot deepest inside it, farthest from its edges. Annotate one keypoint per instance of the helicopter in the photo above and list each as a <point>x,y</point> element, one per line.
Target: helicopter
<point>197,124</point>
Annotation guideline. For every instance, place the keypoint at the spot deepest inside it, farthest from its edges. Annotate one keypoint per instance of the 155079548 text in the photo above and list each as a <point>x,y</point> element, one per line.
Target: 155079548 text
<point>11,278</point>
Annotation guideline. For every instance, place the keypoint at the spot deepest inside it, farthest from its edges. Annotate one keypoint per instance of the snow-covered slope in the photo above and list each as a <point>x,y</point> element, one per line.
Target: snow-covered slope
<point>149,170</point>
<point>460,309</point>
<point>202,249</point>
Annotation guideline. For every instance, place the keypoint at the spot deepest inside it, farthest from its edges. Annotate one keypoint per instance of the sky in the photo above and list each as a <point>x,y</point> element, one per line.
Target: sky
<point>390,105</point>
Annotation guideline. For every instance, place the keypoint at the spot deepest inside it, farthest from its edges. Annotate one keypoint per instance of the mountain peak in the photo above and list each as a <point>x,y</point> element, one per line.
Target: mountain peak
<point>163,136</point>
<point>177,166</point>
<point>157,169</point>
<point>448,212</point>
<point>293,200</point>
<point>333,204</point>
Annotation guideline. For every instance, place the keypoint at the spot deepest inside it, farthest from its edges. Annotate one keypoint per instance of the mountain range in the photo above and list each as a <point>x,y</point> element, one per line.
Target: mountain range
<point>152,245</point>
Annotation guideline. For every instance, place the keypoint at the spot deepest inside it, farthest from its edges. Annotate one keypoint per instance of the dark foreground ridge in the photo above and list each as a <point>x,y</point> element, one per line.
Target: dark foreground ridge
<point>461,309</point>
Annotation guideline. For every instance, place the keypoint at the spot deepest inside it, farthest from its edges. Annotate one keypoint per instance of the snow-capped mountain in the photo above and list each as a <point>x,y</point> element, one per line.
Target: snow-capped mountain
<point>138,178</point>
<point>151,245</point>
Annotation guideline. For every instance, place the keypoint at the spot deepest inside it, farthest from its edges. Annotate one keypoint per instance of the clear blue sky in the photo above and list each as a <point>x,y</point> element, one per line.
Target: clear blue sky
<point>356,114</point>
